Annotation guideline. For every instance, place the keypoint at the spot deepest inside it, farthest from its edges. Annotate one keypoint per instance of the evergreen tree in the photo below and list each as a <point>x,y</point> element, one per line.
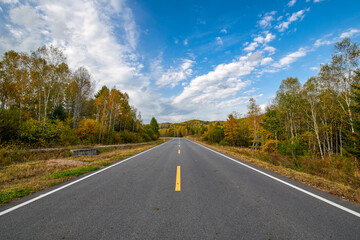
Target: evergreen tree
<point>59,113</point>
<point>155,126</point>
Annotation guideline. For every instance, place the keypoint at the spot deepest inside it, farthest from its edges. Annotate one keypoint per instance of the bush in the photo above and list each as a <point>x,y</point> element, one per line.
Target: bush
<point>67,136</point>
<point>148,130</point>
<point>88,130</point>
<point>9,125</point>
<point>224,143</point>
<point>270,145</point>
<point>40,133</point>
<point>293,147</point>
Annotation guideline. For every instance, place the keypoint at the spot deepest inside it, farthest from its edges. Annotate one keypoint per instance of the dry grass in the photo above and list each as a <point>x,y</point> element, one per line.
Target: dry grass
<point>21,179</point>
<point>326,182</point>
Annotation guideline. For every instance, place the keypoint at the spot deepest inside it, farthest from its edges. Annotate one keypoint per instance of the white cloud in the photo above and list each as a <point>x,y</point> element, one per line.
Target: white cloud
<point>132,35</point>
<point>291,3</point>
<point>267,19</point>
<point>219,41</point>
<point>223,30</point>
<point>314,68</point>
<point>217,85</point>
<point>268,38</point>
<point>270,49</point>
<point>9,1</point>
<point>266,61</point>
<point>252,46</point>
<point>350,33</point>
<point>292,57</point>
<point>25,16</point>
<point>173,76</point>
<point>294,17</point>
<point>186,42</point>
<point>321,42</point>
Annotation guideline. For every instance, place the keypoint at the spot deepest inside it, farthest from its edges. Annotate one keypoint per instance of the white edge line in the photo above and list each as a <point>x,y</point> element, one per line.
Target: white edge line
<point>76,181</point>
<point>286,183</point>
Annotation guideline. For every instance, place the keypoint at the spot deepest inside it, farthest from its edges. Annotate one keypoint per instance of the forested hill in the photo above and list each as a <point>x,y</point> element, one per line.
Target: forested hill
<point>190,127</point>
<point>190,123</point>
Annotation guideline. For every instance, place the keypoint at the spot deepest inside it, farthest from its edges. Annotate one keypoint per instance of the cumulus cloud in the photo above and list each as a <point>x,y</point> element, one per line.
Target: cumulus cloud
<point>173,76</point>
<point>260,40</point>
<point>219,41</point>
<point>291,3</point>
<point>270,49</point>
<point>223,30</point>
<point>297,16</point>
<point>349,33</point>
<point>267,38</point>
<point>266,61</point>
<point>321,42</point>
<point>292,57</point>
<point>9,1</point>
<point>267,19</point>
<point>252,46</point>
<point>225,81</point>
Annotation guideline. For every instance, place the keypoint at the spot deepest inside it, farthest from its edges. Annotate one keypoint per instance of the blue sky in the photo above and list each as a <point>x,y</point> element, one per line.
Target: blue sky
<point>182,60</point>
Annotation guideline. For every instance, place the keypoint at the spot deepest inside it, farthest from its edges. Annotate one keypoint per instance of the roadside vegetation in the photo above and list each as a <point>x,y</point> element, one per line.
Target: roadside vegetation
<point>311,128</point>
<point>22,179</point>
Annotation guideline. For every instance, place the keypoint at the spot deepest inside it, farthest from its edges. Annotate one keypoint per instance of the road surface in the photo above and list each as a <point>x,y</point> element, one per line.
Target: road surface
<point>180,190</point>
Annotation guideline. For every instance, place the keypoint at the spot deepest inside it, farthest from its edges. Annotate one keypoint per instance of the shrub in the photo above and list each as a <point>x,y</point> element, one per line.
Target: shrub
<point>67,136</point>
<point>40,133</point>
<point>9,124</point>
<point>270,145</point>
<point>293,147</point>
<point>224,143</point>
<point>88,130</point>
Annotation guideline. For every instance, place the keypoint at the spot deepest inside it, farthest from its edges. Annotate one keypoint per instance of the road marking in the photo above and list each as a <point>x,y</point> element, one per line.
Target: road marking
<point>179,151</point>
<point>178,180</point>
<point>76,181</point>
<point>286,183</point>
<point>179,145</point>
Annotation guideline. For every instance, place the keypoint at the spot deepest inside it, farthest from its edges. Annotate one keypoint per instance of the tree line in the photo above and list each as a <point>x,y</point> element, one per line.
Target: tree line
<point>44,103</point>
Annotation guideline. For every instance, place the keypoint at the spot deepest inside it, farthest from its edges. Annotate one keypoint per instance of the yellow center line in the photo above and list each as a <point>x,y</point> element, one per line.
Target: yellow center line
<point>178,180</point>
<point>179,151</point>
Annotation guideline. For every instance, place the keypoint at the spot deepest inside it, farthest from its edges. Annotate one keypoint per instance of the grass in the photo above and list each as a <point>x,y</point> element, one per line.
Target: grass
<point>19,179</point>
<point>334,175</point>
<point>9,195</point>
<point>73,172</point>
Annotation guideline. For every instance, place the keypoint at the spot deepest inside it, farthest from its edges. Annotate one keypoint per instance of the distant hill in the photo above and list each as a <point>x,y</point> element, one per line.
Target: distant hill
<point>189,123</point>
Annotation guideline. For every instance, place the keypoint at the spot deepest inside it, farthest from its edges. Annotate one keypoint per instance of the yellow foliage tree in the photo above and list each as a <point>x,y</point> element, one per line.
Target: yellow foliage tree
<point>88,130</point>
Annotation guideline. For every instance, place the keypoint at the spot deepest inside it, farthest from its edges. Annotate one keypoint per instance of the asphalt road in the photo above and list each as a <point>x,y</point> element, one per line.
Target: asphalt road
<point>214,198</point>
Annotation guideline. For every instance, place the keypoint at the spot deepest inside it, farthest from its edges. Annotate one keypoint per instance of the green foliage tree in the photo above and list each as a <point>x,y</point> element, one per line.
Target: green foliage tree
<point>352,140</point>
<point>9,125</point>
<point>59,113</point>
<point>154,125</point>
